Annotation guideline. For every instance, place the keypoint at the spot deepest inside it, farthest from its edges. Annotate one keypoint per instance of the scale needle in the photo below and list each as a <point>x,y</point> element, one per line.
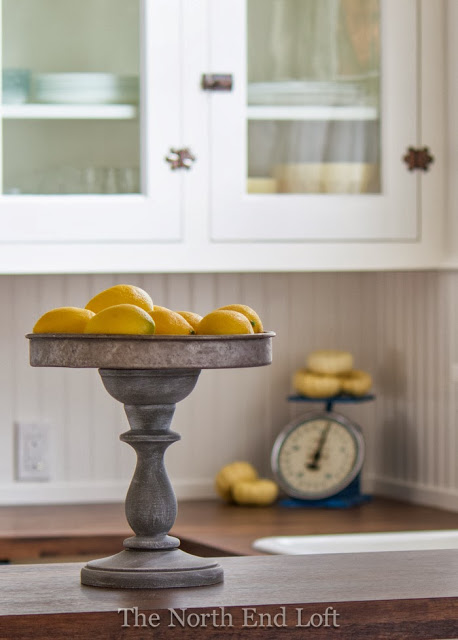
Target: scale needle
<point>313,465</point>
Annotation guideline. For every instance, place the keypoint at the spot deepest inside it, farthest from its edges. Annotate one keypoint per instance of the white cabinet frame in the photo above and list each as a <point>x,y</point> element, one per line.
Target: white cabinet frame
<point>391,215</point>
<point>154,215</point>
<point>187,118</point>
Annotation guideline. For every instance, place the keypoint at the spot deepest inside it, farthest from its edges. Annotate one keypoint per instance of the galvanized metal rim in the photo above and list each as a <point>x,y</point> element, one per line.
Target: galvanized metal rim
<point>151,338</point>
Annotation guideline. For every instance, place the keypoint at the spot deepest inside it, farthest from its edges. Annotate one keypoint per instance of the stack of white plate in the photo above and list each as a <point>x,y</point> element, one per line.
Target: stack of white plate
<point>306,93</point>
<point>85,88</point>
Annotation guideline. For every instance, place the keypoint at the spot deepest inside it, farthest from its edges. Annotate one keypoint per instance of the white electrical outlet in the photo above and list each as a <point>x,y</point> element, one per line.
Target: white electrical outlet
<point>32,451</point>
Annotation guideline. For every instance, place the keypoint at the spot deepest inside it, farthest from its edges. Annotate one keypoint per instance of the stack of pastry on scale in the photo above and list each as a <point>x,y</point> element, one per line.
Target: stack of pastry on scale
<point>330,373</point>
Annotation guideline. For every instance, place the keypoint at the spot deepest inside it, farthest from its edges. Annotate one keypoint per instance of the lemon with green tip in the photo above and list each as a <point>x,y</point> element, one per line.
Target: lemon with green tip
<point>121,319</point>
<point>170,322</point>
<point>250,313</point>
<point>191,317</point>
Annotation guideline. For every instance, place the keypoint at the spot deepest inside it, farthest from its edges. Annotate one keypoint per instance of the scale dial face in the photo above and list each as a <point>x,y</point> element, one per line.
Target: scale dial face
<point>318,455</point>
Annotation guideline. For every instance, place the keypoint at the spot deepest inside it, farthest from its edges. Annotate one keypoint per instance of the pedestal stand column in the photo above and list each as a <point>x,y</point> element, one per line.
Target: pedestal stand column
<point>151,558</point>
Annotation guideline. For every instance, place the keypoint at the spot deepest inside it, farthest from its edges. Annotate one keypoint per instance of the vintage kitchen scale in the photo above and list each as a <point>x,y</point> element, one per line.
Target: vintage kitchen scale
<point>317,459</point>
<point>149,375</point>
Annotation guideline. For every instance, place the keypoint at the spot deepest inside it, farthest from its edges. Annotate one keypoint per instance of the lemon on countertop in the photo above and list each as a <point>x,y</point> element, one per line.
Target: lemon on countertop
<point>256,493</point>
<point>224,322</point>
<point>170,322</point>
<point>250,313</point>
<point>191,317</point>
<point>120,294</point>
<point>63,320</point>
<point>121,319</point>
<point>230,474</point>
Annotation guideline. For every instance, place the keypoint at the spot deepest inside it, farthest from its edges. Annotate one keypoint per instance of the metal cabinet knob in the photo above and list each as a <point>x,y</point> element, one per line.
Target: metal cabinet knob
<point>180,158</point>
<point>217,81</point>
<point>418,158</point>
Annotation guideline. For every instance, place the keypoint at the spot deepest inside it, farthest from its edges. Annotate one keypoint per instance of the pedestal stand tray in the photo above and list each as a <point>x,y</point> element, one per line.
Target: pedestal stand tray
<point>149,375</point>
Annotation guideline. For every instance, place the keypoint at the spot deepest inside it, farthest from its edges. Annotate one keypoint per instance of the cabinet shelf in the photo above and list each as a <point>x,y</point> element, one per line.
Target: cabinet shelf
<point>69,111</point>
<point>255,112</point>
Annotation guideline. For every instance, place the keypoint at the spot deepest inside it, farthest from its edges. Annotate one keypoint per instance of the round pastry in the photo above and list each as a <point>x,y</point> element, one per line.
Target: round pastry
<point>356,382</point>
<point>316,385</point>
<point>230,474</point>
<point>260,492</point>
<point>329,361</point>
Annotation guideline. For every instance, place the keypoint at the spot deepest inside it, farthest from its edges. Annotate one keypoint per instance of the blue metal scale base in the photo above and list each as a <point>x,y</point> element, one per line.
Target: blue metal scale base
<point>351,496</point>
<point>329,403</point>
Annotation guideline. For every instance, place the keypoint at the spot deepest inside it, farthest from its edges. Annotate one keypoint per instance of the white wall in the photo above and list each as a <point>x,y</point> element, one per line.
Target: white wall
<point>400,326</point>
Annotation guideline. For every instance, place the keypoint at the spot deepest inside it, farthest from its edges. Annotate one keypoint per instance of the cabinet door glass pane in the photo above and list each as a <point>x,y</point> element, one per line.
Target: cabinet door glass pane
<point>313,96</point>
<point>70,94</point>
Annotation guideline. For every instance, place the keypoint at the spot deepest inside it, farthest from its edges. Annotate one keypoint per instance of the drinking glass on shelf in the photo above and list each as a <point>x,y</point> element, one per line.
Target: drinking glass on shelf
<point>128,180</point>
<point>110,180</point>
<point>111,183</point>
<point>93,180</point>
<point>69,180</point>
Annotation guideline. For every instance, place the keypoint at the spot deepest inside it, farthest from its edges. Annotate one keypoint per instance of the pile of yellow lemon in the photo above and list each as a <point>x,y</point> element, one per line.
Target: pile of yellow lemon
<point>126,309</point>
<point>239,482</point>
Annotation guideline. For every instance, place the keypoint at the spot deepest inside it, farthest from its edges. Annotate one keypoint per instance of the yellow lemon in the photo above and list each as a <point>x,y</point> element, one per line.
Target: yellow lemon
<point>224,322</point>
<point>249,313</point>
<point>192,318</point>
<point>230,474</point>
<point>63,320</point>
<point>121,319</point>
<point>170,322</point>
<point>260,492</point>
<point>120,294</point>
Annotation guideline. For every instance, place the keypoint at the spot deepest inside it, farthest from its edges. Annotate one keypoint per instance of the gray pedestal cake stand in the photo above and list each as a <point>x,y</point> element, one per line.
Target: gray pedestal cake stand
<point>149,375</point>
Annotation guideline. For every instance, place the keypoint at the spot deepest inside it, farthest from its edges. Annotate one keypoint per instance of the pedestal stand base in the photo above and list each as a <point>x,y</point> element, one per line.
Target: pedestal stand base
<point>149,375</point>
<point>132,569</point>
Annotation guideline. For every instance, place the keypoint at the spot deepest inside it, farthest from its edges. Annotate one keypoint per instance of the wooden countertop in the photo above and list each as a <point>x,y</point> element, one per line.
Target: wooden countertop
<point>233,529</point>
<point>409,595</point>
<point>206,527</point>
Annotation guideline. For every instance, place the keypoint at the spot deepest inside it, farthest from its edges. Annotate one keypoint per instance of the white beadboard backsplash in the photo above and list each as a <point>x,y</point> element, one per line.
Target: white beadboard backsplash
<point>402,327</point>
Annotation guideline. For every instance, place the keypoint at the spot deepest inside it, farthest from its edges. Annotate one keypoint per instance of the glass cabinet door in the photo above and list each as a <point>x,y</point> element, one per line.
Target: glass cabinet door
<point>313,73</point>
<point>80,83</point>
<point>324,107</point>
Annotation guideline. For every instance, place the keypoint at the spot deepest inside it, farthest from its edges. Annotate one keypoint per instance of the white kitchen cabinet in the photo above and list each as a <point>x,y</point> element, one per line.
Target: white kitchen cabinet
<point>85,96</point>
<point>297,139</point>
<point>325,130</point>
<point>331,189</point>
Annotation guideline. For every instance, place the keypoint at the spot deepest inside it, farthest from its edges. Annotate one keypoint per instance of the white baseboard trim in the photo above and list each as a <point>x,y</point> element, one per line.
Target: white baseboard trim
<point>416,493</point>
<point>85,492</point>
<point>32,493</point>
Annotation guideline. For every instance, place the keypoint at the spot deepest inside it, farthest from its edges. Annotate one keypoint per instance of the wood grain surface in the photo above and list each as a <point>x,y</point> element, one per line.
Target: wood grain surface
<point>206,527</point>
<point>409,595</point>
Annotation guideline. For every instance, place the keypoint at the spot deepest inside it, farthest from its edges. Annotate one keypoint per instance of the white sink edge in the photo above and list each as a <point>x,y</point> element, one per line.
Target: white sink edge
<point>359,542</point>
